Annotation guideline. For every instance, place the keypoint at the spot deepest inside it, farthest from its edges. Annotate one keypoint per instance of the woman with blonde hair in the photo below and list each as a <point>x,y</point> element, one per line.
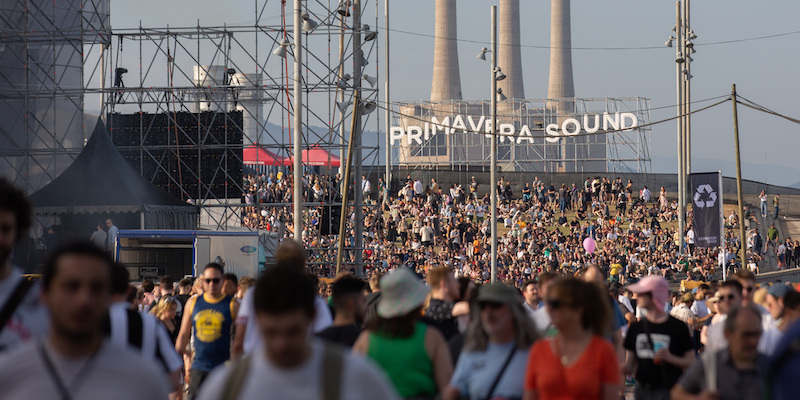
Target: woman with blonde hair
<point>165,311</point>
<point>578,363</point>
<point>496,348</point>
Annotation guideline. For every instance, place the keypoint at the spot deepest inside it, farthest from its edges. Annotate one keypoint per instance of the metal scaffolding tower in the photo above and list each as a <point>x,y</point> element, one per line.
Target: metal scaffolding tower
<point>48,51</point>
<point>183,104</point>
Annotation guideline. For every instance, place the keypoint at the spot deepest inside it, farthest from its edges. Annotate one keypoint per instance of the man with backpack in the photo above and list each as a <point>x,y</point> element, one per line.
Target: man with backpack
<point>22,315</point>
<point>289,364</point>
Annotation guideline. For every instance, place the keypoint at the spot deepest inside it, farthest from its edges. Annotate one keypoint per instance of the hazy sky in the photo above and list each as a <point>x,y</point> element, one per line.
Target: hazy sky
<point>765,71</point>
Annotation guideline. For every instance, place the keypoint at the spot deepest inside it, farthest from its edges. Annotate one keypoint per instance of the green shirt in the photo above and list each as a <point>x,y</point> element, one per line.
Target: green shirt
<point>405,361</point>
<point>772,233</point>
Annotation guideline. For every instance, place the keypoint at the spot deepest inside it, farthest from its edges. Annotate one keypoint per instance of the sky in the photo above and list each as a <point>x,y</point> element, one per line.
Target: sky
<point>765,71</point>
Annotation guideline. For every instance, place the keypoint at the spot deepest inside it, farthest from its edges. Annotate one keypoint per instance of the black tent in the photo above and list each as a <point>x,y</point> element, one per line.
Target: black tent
<point>100,181</point>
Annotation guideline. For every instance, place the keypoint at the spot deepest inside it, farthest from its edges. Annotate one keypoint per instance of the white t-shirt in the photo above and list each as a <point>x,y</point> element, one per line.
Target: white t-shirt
<point>690,237</point>
<point>541,319</point>
<point>30,320</point>
<point>625,301</point>
<point>716,334</point>
<point>99,238</point>
<point>247,315</point>
<point>115,373</point>
<point>699,308</point>
<point>360,379</point>
<point>476,371</point>
<point>769,341</point>
<point>426,232</point>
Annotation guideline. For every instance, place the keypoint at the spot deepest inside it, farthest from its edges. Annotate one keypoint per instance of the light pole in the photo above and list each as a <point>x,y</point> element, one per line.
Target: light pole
<point>297,193</point>
<point>496,75</point>
<point>684,48</point>
<point>680,59</point>
<point>388,122</point>
<point>358,195</point>
<point>493,167</point>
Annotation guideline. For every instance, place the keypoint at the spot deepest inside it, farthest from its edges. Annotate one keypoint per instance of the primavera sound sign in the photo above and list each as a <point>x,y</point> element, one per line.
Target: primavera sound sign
<point>468,124</point>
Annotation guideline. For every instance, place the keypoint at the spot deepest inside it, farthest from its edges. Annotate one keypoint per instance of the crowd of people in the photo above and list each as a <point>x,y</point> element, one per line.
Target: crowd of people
<point>541,227</point>
<point>84,331</point>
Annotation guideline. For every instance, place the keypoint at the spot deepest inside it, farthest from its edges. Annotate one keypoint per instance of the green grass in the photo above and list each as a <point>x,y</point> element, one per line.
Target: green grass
<point>673,225</point>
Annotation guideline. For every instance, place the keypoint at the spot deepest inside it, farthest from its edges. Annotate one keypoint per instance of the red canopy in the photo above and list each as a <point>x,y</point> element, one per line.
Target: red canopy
<point>315,156</point>
<point>256,155</point>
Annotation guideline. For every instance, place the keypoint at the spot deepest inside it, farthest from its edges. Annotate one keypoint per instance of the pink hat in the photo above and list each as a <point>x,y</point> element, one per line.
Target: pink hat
<point>656,285</point>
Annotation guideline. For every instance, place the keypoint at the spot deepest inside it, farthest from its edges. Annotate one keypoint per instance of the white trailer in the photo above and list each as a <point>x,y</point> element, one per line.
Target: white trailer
<point>153,253</point>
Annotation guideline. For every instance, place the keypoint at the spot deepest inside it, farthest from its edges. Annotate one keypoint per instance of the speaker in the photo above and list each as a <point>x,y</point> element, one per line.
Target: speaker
<point>331,216</point>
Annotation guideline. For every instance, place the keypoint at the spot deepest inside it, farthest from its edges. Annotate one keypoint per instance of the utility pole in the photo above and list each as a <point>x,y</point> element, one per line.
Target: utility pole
<point>388,175</point>
<point>297,193</point>
<point>358,196</point>
<point>345,213</point>
<point>739,195</point>
<point>687,94</point>
<point>493,167</point>
<point>679,59</point>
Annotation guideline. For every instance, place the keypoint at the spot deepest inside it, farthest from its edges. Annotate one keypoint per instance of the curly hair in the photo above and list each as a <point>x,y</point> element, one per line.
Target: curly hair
<point>13,200</point>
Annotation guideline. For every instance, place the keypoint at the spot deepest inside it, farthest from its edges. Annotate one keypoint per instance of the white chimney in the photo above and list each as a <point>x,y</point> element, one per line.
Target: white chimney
<point>446,85</point>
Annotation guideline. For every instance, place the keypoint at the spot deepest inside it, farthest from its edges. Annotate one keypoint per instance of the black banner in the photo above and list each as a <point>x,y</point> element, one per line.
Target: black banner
<point>706,198</point>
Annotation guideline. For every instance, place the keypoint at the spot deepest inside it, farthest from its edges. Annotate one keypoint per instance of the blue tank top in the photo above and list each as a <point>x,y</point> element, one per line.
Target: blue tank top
<point>212,322</point>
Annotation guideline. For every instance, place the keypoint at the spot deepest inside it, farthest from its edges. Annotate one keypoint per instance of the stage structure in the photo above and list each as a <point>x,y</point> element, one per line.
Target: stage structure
<point>49,49</point>
<point>183,103</point>
<point>532,136</point>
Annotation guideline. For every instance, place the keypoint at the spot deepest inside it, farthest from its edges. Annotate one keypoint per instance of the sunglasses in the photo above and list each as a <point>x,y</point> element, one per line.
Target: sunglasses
<point>748,288</point>
<point>555,304</point>
<point>728,297</point>
<point>214,280</point>
<point>490,304</point>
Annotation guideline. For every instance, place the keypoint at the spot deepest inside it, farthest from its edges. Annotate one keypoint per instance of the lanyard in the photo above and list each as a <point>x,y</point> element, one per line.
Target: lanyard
<point>56,378</point>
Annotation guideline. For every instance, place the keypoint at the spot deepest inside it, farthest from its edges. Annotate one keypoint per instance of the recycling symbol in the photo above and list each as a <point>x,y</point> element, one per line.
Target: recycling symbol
<point>705,191</point>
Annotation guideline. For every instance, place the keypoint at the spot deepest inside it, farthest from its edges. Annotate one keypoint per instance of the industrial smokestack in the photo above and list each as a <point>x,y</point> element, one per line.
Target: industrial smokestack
<point>509,57</point>
<point>561,83</point>
<point>446,84</point>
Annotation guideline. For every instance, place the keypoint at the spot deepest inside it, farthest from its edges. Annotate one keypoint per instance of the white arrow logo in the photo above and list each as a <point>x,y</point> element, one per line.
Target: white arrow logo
<point>710,193</point>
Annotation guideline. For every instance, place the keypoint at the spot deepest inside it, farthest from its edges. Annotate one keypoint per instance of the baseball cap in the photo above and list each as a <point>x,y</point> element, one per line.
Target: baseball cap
<point>779,290</point>
<point>498,293</point>
<point>656,285</point>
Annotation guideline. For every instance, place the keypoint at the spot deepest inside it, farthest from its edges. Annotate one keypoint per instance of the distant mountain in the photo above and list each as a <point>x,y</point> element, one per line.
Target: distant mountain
<point>767,173</point>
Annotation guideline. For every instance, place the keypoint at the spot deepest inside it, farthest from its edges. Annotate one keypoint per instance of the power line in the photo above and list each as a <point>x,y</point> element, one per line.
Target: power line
<point>758,107</point>
<point>691,102</point>
<point>594,48</point>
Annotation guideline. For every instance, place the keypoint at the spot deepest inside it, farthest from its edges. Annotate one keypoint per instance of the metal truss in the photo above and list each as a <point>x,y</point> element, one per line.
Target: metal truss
<point>80,64</point>
<point>45,48</point>
<point>160,80</point>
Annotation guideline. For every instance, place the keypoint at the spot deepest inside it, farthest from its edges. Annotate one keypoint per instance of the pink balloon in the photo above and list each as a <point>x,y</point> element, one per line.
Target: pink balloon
<point>589,245</point>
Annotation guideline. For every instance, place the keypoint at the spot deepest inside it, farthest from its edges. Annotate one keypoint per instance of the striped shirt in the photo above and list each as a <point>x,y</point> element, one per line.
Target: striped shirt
<point>143,334</point>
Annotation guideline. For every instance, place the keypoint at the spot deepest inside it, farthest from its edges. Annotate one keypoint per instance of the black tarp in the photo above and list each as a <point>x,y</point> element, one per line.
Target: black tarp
<point>100,181</point>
